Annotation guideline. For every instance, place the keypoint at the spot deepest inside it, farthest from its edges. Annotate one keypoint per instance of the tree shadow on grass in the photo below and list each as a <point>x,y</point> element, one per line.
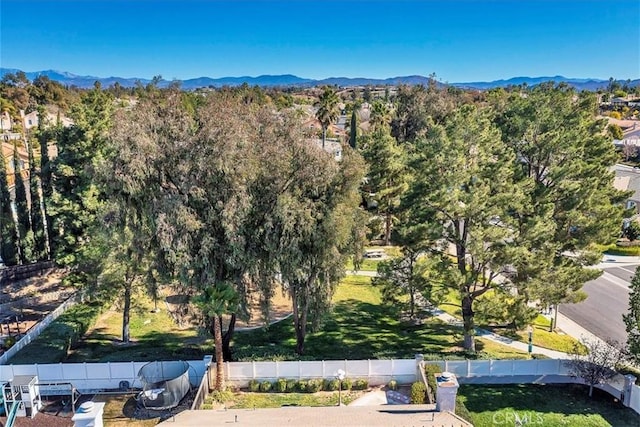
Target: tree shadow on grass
<point>353,330</point>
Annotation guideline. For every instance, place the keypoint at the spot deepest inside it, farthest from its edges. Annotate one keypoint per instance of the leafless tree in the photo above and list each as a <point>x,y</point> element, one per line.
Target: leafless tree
<point>599,364</point>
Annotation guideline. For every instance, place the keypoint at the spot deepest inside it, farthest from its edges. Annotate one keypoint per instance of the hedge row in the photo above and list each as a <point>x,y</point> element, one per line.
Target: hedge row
<point>283,385</point>
<point>430,370</point>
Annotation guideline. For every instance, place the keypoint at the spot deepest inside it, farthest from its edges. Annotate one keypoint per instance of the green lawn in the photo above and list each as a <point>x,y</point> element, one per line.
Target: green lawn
<point>367,265</point>
<point>360,327</point>
<point>545,405</point>
<point>541,335</point>
<point>154,336</point>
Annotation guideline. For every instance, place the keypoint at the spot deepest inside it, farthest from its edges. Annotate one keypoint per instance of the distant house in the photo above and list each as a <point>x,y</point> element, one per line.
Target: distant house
<point>53,114</point>
<point>5,122</point>
<point>628,179</point>
<point>23,159</point>
<point>332,146</point>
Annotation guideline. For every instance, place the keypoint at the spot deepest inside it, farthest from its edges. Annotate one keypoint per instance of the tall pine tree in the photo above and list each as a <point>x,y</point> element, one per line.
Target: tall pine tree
<point>8,235</point>
<point>35,205</point>
<point>45,181</point>
<point>25,236</point>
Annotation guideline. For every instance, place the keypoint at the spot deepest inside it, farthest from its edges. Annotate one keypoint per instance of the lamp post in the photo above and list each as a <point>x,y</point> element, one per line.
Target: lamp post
<point>530,330</point>
<point>340,375</point>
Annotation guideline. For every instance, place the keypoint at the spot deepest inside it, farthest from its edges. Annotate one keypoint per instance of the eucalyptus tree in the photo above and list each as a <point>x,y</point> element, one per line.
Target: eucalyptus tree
<point>196,177</point>
<point>417,107</point>
<point>327,110</point>
<point>462,196</point>
<point>317,220</point>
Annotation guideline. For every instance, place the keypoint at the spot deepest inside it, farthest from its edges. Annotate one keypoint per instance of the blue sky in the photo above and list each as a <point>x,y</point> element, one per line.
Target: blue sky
<point>459,40</point>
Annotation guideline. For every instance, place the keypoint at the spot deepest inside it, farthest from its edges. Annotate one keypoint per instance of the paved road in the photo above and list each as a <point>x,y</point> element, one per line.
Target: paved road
<point>608,299</point>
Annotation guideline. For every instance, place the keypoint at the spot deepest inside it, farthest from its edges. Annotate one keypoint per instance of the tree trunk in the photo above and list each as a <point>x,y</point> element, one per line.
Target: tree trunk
<point>226,337</point>
<point>324,135</point>
<point>468,325</point>
<point>299,323</point>
<point>126,310</point>
<point>387,229</point>
<point>590,390</point>
<point>217,337</point>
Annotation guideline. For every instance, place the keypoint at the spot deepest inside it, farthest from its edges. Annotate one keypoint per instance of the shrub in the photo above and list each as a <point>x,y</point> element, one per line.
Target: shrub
<point>347,384</point>
<point>292,385</point>
<point>429,371</point>
<point>254,386</point>
<point>392,385</point>
<point>314,386</point>
<point>9,342</point>
<point>265,386</point>
<point>301,386</point>
<point>418,393</point>
<point>331,384</point>
<point>360,384</point>
<point>281,385</point>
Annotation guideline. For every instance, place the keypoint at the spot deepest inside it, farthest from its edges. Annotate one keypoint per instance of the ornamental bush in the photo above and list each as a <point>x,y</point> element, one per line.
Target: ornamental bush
<point>418,393</point>
<point>360,384</point>
<point>292,385</point>
<point>265,386</point>
<point>331,384</point>
<point>314,386</point>
<point>281,385</point>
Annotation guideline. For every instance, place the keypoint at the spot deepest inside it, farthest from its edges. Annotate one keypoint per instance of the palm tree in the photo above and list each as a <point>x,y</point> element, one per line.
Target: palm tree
<point>327,110</point>
<point>380,114</point>
<point>215,301</point>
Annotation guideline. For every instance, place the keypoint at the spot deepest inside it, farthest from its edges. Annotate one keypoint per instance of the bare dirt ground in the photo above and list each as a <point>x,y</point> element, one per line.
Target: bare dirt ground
<point>184,314</point>
<point>24,303</point>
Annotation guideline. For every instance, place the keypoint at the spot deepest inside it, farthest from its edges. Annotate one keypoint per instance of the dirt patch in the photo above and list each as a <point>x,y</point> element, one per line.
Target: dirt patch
<point>280,308</point>
<point>185,315</point>
<point>25,303</point>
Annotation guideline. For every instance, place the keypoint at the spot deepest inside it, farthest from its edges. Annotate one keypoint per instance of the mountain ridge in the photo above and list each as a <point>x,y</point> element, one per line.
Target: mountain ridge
<point>288,80</point>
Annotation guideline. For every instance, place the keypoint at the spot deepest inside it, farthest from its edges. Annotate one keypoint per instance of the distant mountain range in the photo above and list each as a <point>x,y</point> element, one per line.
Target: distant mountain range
<point>70,79</point>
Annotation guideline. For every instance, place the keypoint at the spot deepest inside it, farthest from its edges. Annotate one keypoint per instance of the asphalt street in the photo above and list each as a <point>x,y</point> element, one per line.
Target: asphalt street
<point>608,299</point>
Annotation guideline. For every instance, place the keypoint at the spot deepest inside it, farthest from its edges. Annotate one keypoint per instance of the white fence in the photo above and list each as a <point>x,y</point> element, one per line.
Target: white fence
<point>376,371</point>
<point>538,371</point>
<point>92,377</point>
<point>36,330</point>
